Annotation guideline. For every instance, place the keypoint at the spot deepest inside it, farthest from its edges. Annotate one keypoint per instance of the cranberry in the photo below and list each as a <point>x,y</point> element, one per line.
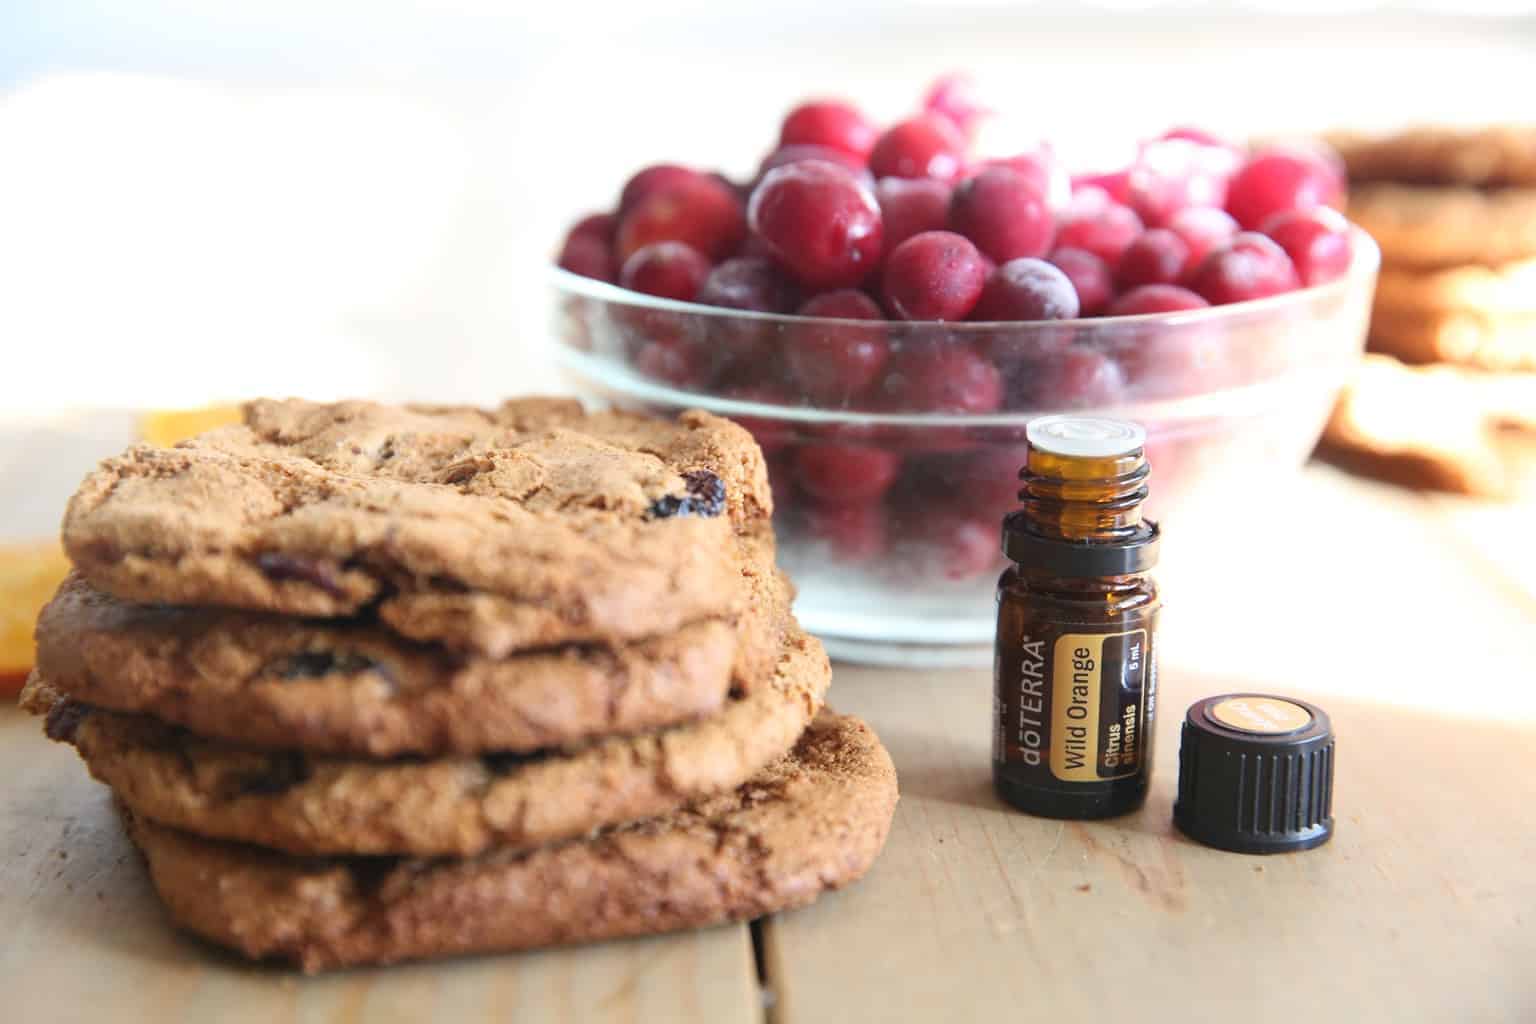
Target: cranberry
<point>771,435</point>
<point>1202,228</point>
<point>1027,289</point>
<point>1174,174</point>
<point>702,212</point>
<point>1278,180</point>
<point>954,97</point>
<point>945,377</point>
<point>846,473</point>
<point>1115,185</point>
<point>1317,241</point>
<point>744,348</point>
<point>937,275</point>
<point>753,285</point>
<point>910,206</point>
<point>1156,298</point>
<point>588,256</point>
<point>1003,214</point>
<point>1189,133</point>
<point>1077,378</point>
<point>1043,172</point>
<point>785,155</point>
<point>926,146</point>
<point>1090,277</point>
<point>599,225</point>
<point>822,224</point>
<point>834,363</point>
<point>965,546</point>
<point>1250,267</point>
<point>670,270</point>
<point>672,362</point>
<point>1158,256</point>
<point>1105,234</point>
<point>830,123</point>
<point>856,532</point>
<point>649,180</point>
<point>986,479</point>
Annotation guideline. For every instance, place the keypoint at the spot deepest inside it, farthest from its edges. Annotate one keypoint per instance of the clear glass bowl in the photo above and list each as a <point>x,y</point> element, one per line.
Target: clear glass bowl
<point>1230,396</point>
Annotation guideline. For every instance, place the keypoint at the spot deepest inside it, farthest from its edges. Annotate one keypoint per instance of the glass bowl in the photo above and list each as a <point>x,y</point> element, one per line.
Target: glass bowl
<point>889,496</point>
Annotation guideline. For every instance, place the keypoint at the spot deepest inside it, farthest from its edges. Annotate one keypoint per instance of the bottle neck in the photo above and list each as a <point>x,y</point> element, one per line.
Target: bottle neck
<point>1081,516</point>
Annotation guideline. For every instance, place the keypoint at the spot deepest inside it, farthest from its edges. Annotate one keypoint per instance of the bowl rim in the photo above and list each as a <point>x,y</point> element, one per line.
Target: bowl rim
<point>1365,263</point>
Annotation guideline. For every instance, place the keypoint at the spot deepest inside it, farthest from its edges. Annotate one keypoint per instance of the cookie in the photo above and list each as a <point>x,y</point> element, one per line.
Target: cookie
<point>1465,337</point>
<point>1505,290</point>
<point>811,821</point>
<point>1438,226</point>
<point>308,804</point>
<point>528,526</point>
<point>1436,428</point>
<point>1486,157</point>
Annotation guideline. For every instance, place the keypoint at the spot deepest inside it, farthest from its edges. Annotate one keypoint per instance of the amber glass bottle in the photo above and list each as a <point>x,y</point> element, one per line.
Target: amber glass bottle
<point>1075,692</point>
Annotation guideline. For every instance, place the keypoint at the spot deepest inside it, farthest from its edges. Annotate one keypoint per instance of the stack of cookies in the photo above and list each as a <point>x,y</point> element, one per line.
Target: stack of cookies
<point>1449,399</point>
<point>374,683</point>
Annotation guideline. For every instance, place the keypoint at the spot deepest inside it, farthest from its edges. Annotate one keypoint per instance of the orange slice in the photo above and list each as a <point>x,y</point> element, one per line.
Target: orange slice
<point>167,426</point>
<point>29,574</point>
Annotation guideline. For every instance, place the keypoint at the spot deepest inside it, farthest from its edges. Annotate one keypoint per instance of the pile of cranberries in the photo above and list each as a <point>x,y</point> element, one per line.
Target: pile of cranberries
<point>887,230</point>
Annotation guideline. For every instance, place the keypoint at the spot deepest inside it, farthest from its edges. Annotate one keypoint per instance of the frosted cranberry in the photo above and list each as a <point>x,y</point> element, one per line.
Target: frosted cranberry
<point>830,123</point>
<point>1250,267</point>
<point>669,270</point>
<point>955,98</point>
<point>1317,241</point>
<point>1156,298</point>
<point>937,275</point>
<point>1090,277</point>
<point>965,546</point>
<point>1043,172</point>
<point>703,213</point>
<point>672,362</point>
<point>785,155</point>
<point>599,225</point>
<point>771,435</point>
<point>926,146</point>
<point>1027,289</point>
<point>1115,185</point>
<point>822,224</point>
<point>856,532</point>
<point>1203,228</point>
<point>1279,180</point>
<point>1105,234</point>
<point>1078,378</point>
<point>1158,256</point>
<point>1174,174</point>
<point>946,377</point>
<point>1003,214</point>
<point>753,285</point>
<point>834,363</point>
<point>650,180</point>
<point>846,473</point>
<point>910,206</point>
<point>588,256</point>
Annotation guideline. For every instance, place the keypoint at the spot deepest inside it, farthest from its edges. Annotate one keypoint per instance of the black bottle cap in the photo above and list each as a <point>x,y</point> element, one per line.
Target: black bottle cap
<point>1255,774</point>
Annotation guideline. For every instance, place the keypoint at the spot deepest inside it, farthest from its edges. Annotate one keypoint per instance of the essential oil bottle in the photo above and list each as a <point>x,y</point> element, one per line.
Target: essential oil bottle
<point>1075,692</point>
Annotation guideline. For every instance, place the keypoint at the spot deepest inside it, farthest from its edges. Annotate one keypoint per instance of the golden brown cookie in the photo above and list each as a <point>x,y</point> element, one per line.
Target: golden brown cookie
<point>811,821</point>
<point>1440,226</point>
<point>492,530</point>
<point>1465,337</point>
<point>1490,156</point>
<point>1436,428</point>
<point>1508,289</point>
<point>309,804</point>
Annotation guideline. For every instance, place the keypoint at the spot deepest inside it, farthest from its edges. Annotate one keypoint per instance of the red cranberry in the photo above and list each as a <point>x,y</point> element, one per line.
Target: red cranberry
<point>703,213</point>
<point>830,123</point>
<point>955,98</point>
<point>1317,241</point>
<point>771,435</point>
<point>926,146</point>
<point>1078,378</point>
<point>672,362</point>
<point>1156,298</point>
<point>785,155</point>
<point>966,546</point>
<point>987,479</point>
<point>856,532</point>
<point>649,180</point>
<point>1175,174</point>
<point>1027,289</point>
<point>1090,277</point>
<point>846,473</point>
<point>910,206</point>
<point>1105,234</point>
<point>744,349</point>
<point>1158,256</point>
<point>937,275</point>
<point>1203,228</point>
<point>1278,180</point>
<point>753,285</point>
<point>669,270</point>
<point>822,224</point>
<point>1115,185</point>
<point>1250,267</point>
<point>834,363</point>
<point>599,225</point>
<point>588,256</point>
<point>945,377</point>
<point>1003,214</point>
<point>1043,172</point>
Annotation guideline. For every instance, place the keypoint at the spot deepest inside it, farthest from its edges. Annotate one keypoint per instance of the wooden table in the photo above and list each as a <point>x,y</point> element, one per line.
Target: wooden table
<point>1411,620</point>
